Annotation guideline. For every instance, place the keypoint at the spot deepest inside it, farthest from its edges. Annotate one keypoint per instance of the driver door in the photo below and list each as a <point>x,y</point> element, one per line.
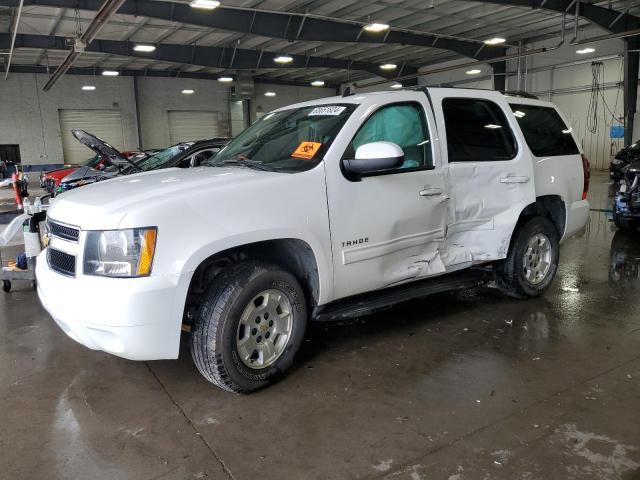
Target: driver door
<point>388,228</point>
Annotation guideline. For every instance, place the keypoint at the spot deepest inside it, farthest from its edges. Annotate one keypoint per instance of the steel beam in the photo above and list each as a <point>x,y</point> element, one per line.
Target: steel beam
<point>283,25</point>
<point>630,87</point>
<point>217,57</point>
<point>611,20</point>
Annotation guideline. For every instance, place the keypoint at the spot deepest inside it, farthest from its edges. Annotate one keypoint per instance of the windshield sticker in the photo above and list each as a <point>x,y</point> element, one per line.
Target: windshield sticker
<point>329,110</point>
<point>306,150</point>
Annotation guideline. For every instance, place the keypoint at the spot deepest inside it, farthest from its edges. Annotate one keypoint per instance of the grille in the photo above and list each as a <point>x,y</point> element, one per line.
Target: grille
<point>61,262</point>
<point>62,231</point>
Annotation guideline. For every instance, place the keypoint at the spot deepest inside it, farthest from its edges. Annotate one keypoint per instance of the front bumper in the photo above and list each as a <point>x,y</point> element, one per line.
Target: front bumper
<point>134,318</point>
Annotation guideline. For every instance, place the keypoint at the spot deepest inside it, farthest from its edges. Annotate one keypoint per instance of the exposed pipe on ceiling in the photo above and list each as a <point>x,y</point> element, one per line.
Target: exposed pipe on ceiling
<point>108,9</point>
<point>13,38</point>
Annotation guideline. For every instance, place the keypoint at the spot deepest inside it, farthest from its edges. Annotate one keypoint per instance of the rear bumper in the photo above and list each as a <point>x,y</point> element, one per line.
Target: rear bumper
<point>577,217</point>
<point>137,319</point>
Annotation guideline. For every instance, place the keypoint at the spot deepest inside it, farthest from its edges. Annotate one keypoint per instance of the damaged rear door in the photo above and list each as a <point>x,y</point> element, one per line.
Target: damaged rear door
<point>490,174</point>
<point>388,228</point>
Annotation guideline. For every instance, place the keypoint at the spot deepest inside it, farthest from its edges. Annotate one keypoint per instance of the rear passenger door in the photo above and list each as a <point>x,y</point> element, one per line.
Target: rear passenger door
<point>489,174</point>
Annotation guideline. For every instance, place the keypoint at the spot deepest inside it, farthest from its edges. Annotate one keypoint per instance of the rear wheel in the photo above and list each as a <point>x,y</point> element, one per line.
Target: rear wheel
<point>250,326</point>
<point>532,260</point>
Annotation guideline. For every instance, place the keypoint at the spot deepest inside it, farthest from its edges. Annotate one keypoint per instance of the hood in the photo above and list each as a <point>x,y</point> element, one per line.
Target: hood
<point>86,173</point>
<point>99,146</point>
<point>103,205</point>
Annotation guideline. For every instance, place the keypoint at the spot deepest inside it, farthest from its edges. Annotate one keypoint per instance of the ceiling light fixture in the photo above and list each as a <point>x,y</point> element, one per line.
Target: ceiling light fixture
<point>376,27</point>
<point>110,73</point>
<point>144,48</point>
<point>88,88</point>
<point>205,4</point>
<point>388,66</point>
<point>494,41</point>
<point>283,59</point>
<point>225,79</point>
<point>585,50</point>
<point>396,85</point>
<point>187,91</point>
<point>269,94</point>
<point>473,71</point>
<point>317,83</point>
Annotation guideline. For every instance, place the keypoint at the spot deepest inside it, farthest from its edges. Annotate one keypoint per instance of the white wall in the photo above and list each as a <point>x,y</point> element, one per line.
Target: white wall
<point>157,96</point>
<point>29,116</point>
<point>285,95</point>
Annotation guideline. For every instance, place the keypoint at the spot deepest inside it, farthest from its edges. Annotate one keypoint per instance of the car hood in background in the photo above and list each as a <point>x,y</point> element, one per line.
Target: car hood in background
<point>87,173</point>
<point>99,146</point>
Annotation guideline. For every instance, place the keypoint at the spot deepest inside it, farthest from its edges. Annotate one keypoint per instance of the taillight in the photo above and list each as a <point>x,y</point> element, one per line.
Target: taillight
<point>586,173</point>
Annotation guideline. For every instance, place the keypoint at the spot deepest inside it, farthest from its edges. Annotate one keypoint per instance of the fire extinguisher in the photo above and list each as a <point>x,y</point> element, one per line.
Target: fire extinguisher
<point>16,190</point>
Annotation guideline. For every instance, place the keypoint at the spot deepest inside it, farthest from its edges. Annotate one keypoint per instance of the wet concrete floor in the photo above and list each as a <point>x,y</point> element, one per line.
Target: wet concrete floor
<point>473,386</point>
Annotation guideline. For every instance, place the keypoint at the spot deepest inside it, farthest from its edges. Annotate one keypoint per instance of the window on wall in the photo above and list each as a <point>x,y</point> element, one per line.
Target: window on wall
<point>403,124</point>
<point>545,132</point>
<point>477,131</point>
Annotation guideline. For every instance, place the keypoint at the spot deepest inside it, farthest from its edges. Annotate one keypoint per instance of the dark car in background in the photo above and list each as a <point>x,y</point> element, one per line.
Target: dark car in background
<point>626,206</point>
<point>183,155</point>
<point>623,158</point>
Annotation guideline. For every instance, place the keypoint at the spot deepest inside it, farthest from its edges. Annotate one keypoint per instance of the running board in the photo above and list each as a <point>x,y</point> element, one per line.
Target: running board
<point>367,303</point>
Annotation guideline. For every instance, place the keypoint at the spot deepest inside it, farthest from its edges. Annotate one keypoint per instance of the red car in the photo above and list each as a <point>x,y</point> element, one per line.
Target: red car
<point>50,180</point>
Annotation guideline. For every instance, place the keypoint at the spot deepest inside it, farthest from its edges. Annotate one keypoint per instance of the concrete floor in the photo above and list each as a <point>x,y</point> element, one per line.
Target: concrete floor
<point>483,387</point>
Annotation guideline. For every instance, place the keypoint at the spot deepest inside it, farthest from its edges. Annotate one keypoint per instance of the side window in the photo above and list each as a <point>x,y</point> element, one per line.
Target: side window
<point>403,124</point>
<point>477,131</point>
<point>203,156</point>
<point>545,132</point>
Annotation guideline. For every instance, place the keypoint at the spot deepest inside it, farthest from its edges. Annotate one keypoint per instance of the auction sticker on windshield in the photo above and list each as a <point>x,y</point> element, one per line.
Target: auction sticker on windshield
<point>306,150</point>
<point>328,110</point>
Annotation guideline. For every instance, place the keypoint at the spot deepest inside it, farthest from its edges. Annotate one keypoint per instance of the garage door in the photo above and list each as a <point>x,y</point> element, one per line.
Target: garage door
<point>192,125</point>
<point>104,124</point>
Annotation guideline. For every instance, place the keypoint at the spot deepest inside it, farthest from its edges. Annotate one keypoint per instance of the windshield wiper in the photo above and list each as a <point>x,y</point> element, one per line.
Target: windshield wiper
<point>244,163</point>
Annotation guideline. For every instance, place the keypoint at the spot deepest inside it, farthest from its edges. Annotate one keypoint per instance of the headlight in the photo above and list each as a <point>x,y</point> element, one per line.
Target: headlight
<point>120,253</point>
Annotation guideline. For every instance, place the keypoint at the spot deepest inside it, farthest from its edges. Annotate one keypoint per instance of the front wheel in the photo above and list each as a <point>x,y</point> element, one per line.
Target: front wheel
<point>532,261</point>
<point>250,326</point>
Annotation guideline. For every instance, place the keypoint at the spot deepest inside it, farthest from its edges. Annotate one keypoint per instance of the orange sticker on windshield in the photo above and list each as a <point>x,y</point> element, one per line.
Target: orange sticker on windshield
<point>306,150</point>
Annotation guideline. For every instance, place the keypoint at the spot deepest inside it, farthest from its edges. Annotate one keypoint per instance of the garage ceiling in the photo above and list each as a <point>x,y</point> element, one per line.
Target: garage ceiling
<point>461,21</point>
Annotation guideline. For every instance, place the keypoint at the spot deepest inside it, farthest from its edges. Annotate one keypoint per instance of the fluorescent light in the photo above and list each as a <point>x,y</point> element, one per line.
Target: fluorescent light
<point>492,126</point>
<point>388,66</point>
<point>144,48</point>
<point>269,94</point>
<point>396,85</point>
<point>88,88</point>
<point>473,71</point>
<point>494,41</point>
<point>110,73</point>
<point>225,79</point>
<point>205,4</point>
<point>567,130</point>
<point>519,114</point>
<point>187,91</point>
<point>376,27</point>
<point>585,50</point>
<point>283,59</point>
<point>317,83</point>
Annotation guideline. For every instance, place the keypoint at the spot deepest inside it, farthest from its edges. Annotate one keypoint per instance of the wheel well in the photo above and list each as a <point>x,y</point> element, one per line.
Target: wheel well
<point>296,256</point>
<point>548,206</point>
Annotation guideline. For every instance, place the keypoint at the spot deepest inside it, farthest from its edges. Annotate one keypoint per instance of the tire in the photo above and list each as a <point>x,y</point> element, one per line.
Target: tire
<point>235,295</point>
<point>6,285</point>
<point>515,276</point>
<point>623,223</point>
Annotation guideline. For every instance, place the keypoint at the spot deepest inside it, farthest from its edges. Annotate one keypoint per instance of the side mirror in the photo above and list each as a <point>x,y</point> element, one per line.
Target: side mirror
<point>374,157</point>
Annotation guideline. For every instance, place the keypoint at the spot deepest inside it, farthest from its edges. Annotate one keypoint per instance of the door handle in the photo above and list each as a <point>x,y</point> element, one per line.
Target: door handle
<point>430,192</point>
<point>514,179</point>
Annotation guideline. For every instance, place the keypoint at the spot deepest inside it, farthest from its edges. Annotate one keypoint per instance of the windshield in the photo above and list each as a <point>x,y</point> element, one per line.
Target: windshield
<point>292,140</point>
<point>161,157</point>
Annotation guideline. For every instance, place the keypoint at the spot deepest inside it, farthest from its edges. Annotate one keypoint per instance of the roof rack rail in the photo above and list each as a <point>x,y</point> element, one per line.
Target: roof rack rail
<point>520,93</point>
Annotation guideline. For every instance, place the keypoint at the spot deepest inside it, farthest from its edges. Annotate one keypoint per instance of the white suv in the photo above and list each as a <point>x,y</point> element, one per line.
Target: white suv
<point>322,210</point>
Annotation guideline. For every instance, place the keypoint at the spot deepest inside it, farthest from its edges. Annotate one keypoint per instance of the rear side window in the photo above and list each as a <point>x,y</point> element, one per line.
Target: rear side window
<point>477,131</point>
<point>545,132</point>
